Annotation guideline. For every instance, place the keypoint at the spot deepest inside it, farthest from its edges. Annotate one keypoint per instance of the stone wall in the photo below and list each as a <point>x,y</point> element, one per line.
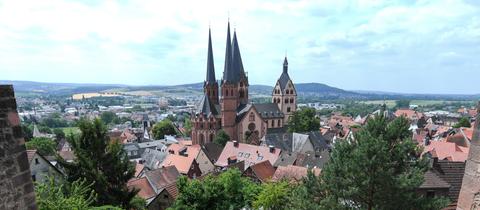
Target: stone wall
<point>469,198</point>
<point>16,186</point>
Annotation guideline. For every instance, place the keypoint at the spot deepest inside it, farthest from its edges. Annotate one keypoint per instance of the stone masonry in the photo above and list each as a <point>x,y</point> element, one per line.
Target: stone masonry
<point>469,198</point>
<point>16,186</point>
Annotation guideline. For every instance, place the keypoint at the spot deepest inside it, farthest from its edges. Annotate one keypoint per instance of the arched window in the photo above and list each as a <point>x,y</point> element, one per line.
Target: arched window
<point>278,123</point>
<point>291,100</point>
<point>211,137</point>
<point>201,139</point>
<point>226,92</point>
<point>286,100</point>
<point>251,117</point>
<point>241,93</point>
<point>288,109</point>
<point>231,92</point>
<point>273,121</point>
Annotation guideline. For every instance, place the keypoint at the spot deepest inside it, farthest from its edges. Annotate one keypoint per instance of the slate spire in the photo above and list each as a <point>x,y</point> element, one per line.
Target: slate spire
<point>210,65</point>
<point>285,65</point>
<point>227,72</point>
<point>237,65</point>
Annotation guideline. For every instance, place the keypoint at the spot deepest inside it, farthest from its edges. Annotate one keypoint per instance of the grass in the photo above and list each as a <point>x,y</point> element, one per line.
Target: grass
<point>71,130</point>
<point>390,103</point>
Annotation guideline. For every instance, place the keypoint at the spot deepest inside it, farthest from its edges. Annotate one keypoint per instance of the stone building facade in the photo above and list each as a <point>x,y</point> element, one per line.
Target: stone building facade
<point>226,105</point>
<point>16,186</point>
<point>469,198</point>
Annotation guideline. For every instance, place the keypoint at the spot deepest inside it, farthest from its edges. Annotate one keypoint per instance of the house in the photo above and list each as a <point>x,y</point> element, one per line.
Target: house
<point>157,187</point>
<point>40,168</point>
<point>446,151</point>
<point>314,160</point>
<point>185,165</point>
<point>195,151</point>
<point>292,173</point>
<point>212,151</point>
<point>234,152</point>
<point>135,150</point>
<point>152,158</point>
<point>260,172</point>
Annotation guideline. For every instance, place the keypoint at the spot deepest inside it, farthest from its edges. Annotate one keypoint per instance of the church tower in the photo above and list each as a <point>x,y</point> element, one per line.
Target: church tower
<point>210,86</point>
<point>469,198</point>
<point>234,86</point>
<point>284,94</point>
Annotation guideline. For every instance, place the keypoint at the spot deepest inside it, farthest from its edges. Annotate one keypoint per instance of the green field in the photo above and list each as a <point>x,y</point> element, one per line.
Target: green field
<point>70,130</point>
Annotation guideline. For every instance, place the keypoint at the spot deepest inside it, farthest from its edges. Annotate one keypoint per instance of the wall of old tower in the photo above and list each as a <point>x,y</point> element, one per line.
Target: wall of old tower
<point>469,198</point>
<point>229,104</point>
<point>204,129</point>
<point>285,99</point>
<point>16,186</point>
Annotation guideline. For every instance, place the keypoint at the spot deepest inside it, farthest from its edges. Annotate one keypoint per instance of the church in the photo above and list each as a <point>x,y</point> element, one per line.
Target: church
<point>225,104</point>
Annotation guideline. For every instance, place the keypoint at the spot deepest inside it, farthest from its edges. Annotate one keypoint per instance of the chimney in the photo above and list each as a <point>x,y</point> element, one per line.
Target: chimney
<point>231,160</point>
<point>235,143</point>
<point>271,148</point>
<point>170,151</point>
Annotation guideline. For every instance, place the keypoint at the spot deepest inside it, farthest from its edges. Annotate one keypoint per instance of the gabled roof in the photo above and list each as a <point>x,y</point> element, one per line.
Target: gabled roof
<point>263,170</point>
<point>292,173</point>
<point>451,172</point>
<point>206,107</point>
<point>146,191</point>
<point>286,158</point>
<point>268,110</point>
<point>432,181</point>
<point>182,163</point>
<point>212,151</point>
<point>251,154</point>
<point>294,142</point>
<point>447,151</point>
<point>153,158</point>
<point>162,177</point>
<point>284,77</point>
<point>313,159</point>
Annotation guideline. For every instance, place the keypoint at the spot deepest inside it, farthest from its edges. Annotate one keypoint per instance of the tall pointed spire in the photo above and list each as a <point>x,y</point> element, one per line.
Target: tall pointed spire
<point>285,65</point>
<point>210,65</point>
<point>227,73</point>
<point>237,65</point>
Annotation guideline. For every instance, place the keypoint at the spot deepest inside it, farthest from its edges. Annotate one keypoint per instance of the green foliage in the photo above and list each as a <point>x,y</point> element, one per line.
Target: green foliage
<point>308,194</point>
<point>102,163</point>
<point>354,109</point>
<point>137,108</point>
<point>54,121</point>
<point>138,203</point>
<point>221,138</point>
<point>378,169</point>
<point>44,146</point>
<point>273,196</point>
<point>27,131</point>
<point>303,120</point>
<point>165,127</point>
<point>108,117</point>
<point>227,191</point>
<point>463,122</point>
<point>402,104</point>
<point>59,134</point>
<point>55,195</point>
<point>188,127</point>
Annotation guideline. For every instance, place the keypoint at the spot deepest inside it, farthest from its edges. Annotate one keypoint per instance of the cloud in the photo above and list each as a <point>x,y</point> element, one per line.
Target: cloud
<point>347,44</point>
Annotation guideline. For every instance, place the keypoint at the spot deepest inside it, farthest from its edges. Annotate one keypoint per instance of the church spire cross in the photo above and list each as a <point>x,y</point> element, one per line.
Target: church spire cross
<point>285,65</point>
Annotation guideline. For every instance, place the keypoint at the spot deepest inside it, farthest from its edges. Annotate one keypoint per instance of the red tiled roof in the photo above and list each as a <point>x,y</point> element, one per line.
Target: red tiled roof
<point>292,173</point>
<point>251,154</point>
<point>408,113</point>
<point>447,151</point>
<point>182,163</point>
<point>172,190</point>
<point>192,150</point>
<point>138,169</point>
<point>263,170</point>
<point>146,190</point>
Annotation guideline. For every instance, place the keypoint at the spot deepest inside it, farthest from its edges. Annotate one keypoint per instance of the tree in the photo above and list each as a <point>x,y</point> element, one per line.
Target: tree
<point>273,196</point>
<point>308,194</point>
<point>57,195</point>
<point>188,127</point>
<point>379,168</point>
<point>221,138</point>
<point>402,104</point>
<point>108,117</point>
<point>303,120</point>
<point>227,191</point>
<point>59,134</point>
<point>164,127</point>
<point>463,122</point>
<point>100,162</point>
<point>44,146</point>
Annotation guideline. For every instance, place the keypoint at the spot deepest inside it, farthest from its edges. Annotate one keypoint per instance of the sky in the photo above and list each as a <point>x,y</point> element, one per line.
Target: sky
<point>424,46</point>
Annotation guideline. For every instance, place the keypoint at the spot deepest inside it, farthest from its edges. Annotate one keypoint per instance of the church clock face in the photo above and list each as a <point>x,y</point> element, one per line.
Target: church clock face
<point>251,126</point>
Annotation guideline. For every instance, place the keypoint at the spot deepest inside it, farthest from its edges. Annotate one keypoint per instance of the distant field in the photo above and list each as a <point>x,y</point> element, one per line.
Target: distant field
<point>80,96</point>
<point>69,130</point>
<point>391,103</point>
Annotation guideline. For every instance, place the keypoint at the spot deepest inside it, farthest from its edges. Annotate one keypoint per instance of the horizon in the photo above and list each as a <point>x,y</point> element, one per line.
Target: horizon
<point>421,47</point>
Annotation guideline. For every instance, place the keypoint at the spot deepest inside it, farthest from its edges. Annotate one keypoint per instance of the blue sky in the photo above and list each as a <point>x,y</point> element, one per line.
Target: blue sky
<point>401,46</point>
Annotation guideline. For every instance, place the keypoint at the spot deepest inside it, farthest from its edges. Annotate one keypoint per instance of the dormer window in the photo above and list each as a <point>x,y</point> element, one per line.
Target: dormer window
<point>251,117</point>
